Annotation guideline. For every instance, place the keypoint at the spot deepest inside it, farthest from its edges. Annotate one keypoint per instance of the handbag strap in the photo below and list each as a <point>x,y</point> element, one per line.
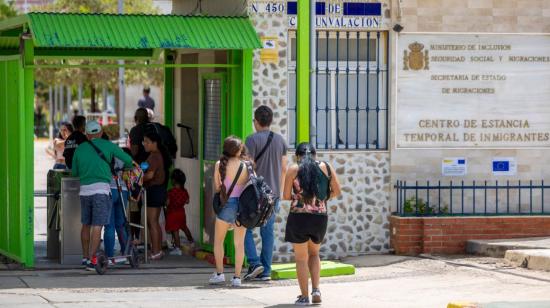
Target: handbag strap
<point>269,139</point>
<point>100,153</point>
<point>235,180</point>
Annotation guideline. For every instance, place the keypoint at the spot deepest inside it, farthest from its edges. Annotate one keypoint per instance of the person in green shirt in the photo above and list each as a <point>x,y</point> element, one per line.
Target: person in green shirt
<point>95,176</point>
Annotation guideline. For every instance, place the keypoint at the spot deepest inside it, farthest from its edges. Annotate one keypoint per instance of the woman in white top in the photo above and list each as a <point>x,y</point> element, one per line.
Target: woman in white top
<point>59,146</point>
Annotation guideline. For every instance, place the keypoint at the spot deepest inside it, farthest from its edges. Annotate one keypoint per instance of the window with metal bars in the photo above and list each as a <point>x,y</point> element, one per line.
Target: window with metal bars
<point>352,93</point>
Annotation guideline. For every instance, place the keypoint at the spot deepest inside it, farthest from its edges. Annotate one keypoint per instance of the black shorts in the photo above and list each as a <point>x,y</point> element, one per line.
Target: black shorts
<point>303,227</point>
<point>156,196</point>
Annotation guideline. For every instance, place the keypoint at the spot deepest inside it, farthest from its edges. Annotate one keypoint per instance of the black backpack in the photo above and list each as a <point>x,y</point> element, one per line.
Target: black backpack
<point>256,203</point>
<point>166,136</point>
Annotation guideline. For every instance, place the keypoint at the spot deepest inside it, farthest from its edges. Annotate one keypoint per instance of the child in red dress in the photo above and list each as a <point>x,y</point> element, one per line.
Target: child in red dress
<point>175,212</point>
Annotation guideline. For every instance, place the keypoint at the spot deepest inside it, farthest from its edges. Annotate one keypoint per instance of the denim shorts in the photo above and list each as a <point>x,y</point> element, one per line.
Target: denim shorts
<point>95,209</point>
<point>229,211</point>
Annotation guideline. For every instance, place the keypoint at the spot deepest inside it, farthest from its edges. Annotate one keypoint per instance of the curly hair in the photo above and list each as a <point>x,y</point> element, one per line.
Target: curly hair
<point>178,177</point>
<point>307,171</point>
<point>231,147</point>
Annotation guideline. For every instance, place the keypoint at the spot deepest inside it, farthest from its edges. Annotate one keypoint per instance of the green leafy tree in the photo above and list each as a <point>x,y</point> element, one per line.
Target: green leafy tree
<point>7,9</point>
<point>97,78</point>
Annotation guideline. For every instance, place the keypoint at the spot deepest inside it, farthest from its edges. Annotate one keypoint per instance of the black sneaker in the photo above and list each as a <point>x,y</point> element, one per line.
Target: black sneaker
<point>263,278</point>
<point>85,261</point>
<point>254,271</point>
<point>90,267</point>
<point>302,301</point>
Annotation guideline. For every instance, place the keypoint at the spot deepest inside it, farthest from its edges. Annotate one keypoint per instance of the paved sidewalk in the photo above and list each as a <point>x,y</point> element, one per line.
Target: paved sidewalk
<point>408,283</point>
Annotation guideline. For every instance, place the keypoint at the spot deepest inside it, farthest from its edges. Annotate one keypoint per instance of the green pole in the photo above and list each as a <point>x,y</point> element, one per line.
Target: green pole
<point>247,93</point>
<point>169,90</point>
<point>302,71</point>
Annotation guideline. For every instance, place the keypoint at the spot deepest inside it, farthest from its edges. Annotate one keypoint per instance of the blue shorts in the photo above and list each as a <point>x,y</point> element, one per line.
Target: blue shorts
<point>229,211</point>
<point>95,210</point>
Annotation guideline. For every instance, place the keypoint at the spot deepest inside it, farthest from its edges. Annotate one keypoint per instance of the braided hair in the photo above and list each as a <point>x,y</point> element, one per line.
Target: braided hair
<point>231,147</point>
<point>307,171</point>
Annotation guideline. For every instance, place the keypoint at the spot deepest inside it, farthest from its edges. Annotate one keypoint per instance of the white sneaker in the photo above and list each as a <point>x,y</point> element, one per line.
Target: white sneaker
<point>176,252</point>
<point>236,282</point>
<point>217,279</point>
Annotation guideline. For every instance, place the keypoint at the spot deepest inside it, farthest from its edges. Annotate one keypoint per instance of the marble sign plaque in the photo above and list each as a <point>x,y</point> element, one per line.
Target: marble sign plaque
<point>473,91</point>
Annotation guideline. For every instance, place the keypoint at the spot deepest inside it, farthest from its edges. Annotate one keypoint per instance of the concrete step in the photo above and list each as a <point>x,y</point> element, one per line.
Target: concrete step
<point>498,248</point>
<point>534,259</point>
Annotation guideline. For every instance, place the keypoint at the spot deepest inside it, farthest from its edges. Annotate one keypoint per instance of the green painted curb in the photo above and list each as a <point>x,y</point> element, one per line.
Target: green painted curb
<point>328,269</point>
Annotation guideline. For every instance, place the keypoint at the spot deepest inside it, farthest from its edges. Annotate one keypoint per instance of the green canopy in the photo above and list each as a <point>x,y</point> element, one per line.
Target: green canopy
<point>112,31</point>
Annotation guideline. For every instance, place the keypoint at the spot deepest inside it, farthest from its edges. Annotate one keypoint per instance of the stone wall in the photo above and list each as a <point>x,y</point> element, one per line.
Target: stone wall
<point>358,219</point>
<point>500,16</point>
<point>270,80</point>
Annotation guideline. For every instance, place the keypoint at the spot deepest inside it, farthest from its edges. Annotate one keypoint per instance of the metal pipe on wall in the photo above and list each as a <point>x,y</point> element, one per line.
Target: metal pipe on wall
<point>55,105</point>
<point>121,86</point>
<point>312,74</point>
<point>62,114</point>
<point>69,103</point>
<point>52,111</point>
<point>80,105</point>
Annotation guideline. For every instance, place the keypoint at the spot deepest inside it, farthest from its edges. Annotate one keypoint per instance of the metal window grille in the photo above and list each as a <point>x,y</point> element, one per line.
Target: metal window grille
<point>485,198</point>
<point>352,92</point>
<point>212,119</point>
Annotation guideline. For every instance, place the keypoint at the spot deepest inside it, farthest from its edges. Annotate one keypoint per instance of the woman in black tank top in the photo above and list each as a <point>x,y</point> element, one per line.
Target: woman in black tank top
<point>309,185</point>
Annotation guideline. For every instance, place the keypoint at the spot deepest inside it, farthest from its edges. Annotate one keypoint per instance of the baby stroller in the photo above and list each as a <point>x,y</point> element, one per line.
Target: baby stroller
<point>130,253</point>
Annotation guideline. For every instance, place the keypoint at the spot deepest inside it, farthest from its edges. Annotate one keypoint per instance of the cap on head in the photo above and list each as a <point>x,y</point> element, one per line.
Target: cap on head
<point>93,127</point>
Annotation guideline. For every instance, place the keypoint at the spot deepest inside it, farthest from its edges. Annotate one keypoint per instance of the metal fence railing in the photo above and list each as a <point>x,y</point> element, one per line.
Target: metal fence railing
<point>473,198</point>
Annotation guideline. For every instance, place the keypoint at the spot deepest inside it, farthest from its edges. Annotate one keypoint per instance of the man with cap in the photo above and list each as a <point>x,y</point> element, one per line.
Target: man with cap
<point>91,163</point>
<point>146,101</point>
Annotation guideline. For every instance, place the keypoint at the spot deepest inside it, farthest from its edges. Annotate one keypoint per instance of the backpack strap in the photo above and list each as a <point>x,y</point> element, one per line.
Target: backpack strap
<point>235,180</point>
<point>269,139</point>
<point>328,171</point>
<point>102,156</point>
<point>249,168</point>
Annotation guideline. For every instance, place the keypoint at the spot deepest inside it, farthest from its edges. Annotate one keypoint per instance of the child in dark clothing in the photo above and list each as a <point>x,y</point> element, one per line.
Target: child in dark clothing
<point>175,212</point>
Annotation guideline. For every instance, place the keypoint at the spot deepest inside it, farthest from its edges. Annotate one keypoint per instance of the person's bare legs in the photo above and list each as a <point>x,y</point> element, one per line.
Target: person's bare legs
<point>153,214</point>
<point>95,240</point>
<point>187,233</point>
<point>238,239</point>
<point>302,270</point>
<point>176,237</point>
<point>314,263</point>
<point>220,230</point>
<point>85,240</point>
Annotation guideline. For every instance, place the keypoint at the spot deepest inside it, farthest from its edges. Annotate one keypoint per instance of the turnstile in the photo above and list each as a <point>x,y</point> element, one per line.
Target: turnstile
<point>69,235</point>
